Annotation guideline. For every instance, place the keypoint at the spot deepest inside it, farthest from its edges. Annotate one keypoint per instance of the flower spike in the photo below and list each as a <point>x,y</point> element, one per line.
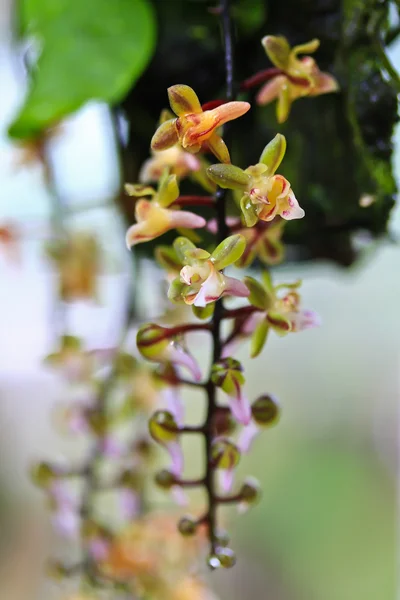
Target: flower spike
<point>194,128</point>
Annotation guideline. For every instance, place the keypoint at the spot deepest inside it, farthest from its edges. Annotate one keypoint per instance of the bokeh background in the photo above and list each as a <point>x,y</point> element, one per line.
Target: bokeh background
<point>327,527</point>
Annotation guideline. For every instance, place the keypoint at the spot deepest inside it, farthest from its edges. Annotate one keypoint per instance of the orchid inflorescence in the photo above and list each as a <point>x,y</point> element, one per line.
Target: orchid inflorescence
<point>261,202</point>
<point>197,278</point>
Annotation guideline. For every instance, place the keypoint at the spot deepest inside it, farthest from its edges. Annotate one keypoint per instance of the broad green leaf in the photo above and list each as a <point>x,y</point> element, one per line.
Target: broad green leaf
<point>89,50</point>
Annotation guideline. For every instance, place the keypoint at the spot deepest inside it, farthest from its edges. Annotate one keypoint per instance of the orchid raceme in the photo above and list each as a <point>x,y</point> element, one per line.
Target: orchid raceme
<point>194,128</point>
<point>154,217</point>
<point>265,195</point>
<point>201,281</point>
<point>296,77</point>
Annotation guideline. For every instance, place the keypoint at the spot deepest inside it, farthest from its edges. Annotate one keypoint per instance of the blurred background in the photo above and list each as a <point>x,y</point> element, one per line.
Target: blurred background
<point>327,527</point>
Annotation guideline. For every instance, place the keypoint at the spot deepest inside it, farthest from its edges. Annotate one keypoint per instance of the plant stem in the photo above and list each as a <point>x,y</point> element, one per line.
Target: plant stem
<point>222,232</point>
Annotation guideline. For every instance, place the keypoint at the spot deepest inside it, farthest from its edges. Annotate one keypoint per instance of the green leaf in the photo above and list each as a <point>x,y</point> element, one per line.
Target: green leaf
<point>89,50</point>
<point>228,251</point>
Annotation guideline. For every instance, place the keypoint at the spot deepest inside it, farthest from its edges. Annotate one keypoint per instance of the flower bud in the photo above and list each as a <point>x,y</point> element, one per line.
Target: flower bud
<point>250,491</point>
<point>227,374</point>
<point>223,557</point>
<point>163,427</point>
<point>43,474</point>
<point>187,526</point>
<point>165,479</point>
<point>265,411</point>
<point>152,340</point>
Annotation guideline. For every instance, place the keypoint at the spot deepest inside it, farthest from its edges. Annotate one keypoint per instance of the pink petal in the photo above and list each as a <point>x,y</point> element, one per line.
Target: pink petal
<point>177,355</point>
<point>186,219</point>
<point>66,522</point>
<point>271,90</point>
<point>226,478</point>
<point>235,287</point>
<point>230,221</point>
<point>304,319</point>
<point>179,495</point>
<point>176,453</point>
<point>247,437</point>
<point>212,288</point>
<point>324,84</point>
<point>99,549</point>
<point>240,407</point>
<point>174,403</point>
<point>111,447</point>
<point>129,502</point>
<point>293,210</point>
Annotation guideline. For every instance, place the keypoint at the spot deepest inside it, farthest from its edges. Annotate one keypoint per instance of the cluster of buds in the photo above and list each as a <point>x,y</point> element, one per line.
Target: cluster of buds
<point>117,463</point>
<point>197,278</point>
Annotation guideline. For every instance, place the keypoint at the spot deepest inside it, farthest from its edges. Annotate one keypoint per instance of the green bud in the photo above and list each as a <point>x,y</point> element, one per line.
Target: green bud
<point>187,526</point>
<point>265,410</point>
<point>224,454</point>
<point>259,296</point>
<point>228,251</point>
<point>248,211</point>
<point>152,340</point>
<point>43,474</point>
<point>229,176</point>
<point>227,374</point>
<point>163,427</point>
<point>71,342</point>
<point>250,491</point>
<point>223,557</point>
<point>258,338</point>
<point>129,479</point>
<point>273,154</point>
<point>165,479</point>
<point>204,312</point>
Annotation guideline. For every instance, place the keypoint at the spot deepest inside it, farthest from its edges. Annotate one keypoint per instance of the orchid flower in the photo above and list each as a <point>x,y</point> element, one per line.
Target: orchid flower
<point>228,375</point>
<point>296,77</point>
<point>194,128</point>
<point>179,162</point>
<point>201,281</point>
<point>265,195</point>
<point>154,217</point>
<point>277,311</point>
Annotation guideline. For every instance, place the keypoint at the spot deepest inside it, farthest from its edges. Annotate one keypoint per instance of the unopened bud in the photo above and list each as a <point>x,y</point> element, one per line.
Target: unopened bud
<point>165,479</point>
<point>223,557</point>
<point>152,340</point>
<point>250,491</point>
<point>42,474</point>
<point>163,427</point>
<point>265,411</point>
<point>187,526</point>
<point>225,454</point>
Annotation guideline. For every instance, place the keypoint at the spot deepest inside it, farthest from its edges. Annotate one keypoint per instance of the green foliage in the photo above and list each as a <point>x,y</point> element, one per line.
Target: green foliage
<point>88,50</point>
